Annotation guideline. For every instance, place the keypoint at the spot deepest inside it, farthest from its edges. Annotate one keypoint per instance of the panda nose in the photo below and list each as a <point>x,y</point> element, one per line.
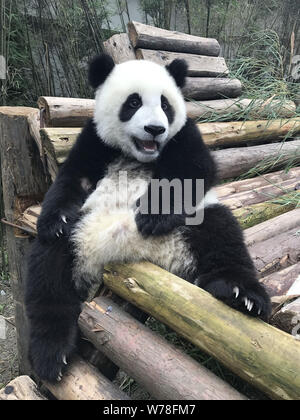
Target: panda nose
<point>155,130</point>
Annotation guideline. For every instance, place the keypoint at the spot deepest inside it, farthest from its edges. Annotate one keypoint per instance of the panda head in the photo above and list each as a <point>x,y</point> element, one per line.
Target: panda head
<point>139,104</point>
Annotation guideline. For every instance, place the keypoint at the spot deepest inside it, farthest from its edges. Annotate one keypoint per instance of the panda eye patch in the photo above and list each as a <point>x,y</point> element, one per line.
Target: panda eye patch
<point>168,109</point>
<point>130,107</point>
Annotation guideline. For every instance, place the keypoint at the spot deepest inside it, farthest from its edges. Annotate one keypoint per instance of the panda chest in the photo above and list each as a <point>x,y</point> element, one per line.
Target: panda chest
<point>119,190</point>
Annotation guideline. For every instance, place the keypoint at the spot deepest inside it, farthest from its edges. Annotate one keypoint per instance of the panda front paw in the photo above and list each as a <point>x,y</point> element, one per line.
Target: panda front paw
<point>50,360</point>
<point>251,299</point>
<point>53,226</point>
<point>157,225</point>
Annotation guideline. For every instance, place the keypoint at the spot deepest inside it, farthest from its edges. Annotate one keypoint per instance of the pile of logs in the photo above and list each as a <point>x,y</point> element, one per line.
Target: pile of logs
<point>209,90</point>
<point>33,145</point>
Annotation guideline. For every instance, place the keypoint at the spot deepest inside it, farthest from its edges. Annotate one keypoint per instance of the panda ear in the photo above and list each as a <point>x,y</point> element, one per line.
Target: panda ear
<point>178,70</point>
<point>100,67</point>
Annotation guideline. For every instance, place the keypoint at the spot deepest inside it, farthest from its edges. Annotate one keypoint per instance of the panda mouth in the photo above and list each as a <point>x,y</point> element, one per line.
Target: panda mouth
<point>146,146</point>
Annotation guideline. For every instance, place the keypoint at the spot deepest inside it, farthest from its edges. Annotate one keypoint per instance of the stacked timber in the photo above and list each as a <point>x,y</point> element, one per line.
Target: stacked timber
<point>208,89</point>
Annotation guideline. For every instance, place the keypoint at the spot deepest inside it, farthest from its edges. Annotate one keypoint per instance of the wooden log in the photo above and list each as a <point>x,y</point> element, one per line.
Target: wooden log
<point>243,344</point>
<point>57,143</point>
<point>261,194</point>
<point>163,370</point>
<point>282,282</point>
<point>231,189</point>
<point>71,112</point>
<point>65,112</point>
<point>21,389</point>
<point>276,253</point>
<point>231,109</point>
<point>236,161</point>
<point>144,36</point>
<point>84,382</point>
<point>220,134</point>
<point>119,48</point>
<point>288,318</point>
<point>250,216</point>
<point>275,226</point>
<point>198,65</point>
<point>207,88</point>
<point>24,185</point>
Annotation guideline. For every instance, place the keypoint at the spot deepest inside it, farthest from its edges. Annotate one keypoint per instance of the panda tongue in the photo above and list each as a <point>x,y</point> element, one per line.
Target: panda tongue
<point>149,145</point>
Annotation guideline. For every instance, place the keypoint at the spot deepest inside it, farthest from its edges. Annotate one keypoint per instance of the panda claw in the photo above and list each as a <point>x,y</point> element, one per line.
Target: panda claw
<point>59,378</point>
<point>61,231</point>
<point>64,219</point>
<point>65,360</point>
<point>236,291</point>
<point>57,234</point>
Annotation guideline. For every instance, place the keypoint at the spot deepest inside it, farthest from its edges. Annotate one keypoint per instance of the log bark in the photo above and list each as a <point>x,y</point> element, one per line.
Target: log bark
<point>288,318</point>
<point>119,48</point>
<point>84,382</point>
<point>250,216</point>
<point>236,161</point>
<point>273,227</point>
<point>65,112</point>
<point>24,185</point>
<point>233,109</point>
<point>21,389</point>
<point>230,189</point>
<point>245,345</point>
<point>198,65</point>
<point>57,143</point>
<point>276,253</point>
<point>261,194</point>
<point>207,88</point>
<point>164,371</point>
<point>282,282</point>
<point>220,134</point>
<point>144,36</point>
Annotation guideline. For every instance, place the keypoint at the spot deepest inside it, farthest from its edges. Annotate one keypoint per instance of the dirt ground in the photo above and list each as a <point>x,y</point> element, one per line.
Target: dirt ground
<point>8,346</point>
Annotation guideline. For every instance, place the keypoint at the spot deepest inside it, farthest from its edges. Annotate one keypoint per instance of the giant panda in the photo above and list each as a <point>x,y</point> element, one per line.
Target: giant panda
<point>95,211</point>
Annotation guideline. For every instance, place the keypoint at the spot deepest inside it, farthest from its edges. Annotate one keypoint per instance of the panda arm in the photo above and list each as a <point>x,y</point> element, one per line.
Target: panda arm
<point>78,176</point>
<point>185,157</point>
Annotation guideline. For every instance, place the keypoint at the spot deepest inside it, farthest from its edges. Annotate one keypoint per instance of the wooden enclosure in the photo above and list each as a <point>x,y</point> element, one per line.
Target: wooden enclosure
<point>35,142</point>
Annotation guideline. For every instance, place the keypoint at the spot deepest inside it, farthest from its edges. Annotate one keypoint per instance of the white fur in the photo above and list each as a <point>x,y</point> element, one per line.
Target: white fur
<point>150,81</point>
<point>107,232</point>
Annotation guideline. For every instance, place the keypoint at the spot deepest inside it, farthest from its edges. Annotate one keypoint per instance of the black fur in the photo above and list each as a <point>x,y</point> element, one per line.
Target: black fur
<point>223,262</point>
<point>178,70</point>
<point>99,69</point>
<point>184,157</point>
